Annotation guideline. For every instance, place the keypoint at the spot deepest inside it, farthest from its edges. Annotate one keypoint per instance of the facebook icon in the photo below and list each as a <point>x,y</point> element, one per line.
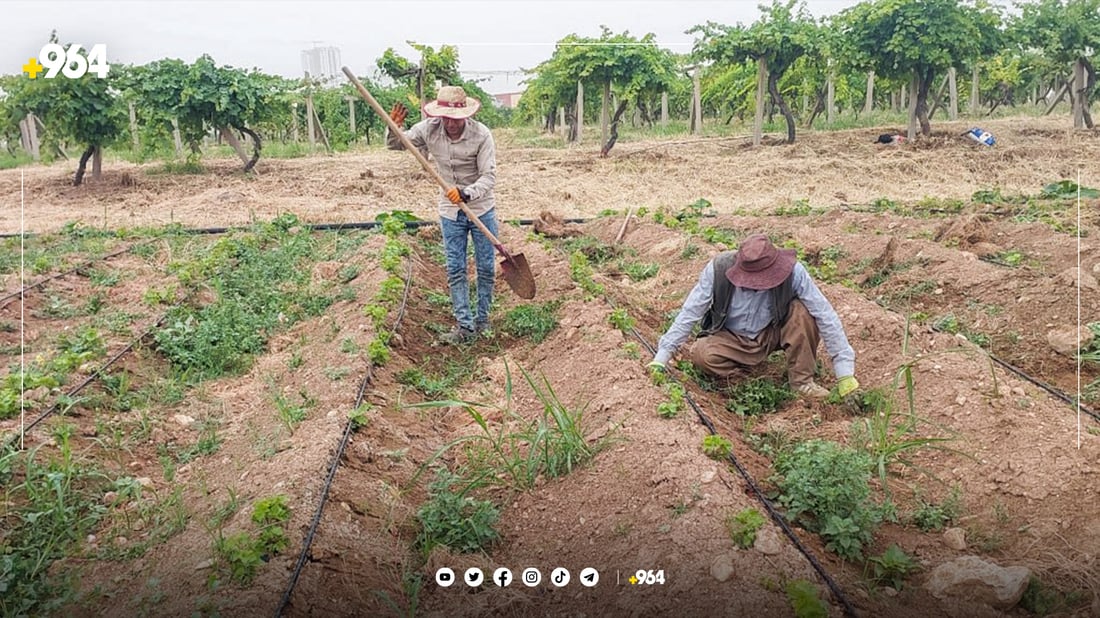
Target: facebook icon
<point>502,577</point>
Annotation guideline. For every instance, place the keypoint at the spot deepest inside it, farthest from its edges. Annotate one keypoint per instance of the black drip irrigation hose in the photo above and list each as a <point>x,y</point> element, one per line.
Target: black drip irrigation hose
<point>779,520</point>
<point>1055,392</point>
<point>88,380</point>
<point>318,227</point>
<point>307,544</point>
<point>30,287</point>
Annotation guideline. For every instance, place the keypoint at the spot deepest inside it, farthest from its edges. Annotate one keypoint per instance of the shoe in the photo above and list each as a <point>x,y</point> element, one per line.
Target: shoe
<point>459,335</point>
<point>812,390</point>
<point>482,329</point>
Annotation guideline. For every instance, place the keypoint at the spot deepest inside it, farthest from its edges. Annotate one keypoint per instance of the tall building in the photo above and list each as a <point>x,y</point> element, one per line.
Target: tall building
<point>322,62</point>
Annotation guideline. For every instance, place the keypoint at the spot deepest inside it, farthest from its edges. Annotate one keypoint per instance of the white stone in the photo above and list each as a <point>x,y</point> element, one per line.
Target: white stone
<point>722,569</point>
<point>955,538</point>
<point>974,579</point>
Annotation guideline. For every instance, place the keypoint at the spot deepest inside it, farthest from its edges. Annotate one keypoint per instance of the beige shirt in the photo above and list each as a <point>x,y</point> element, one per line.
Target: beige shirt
<point>469,163</point>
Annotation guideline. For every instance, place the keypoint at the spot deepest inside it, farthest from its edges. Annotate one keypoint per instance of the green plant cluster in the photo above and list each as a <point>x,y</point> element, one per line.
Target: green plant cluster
<point>580,270</point>
<point>533,322</point>
<point>676,399</point>
<point>891,567</point>
<point>261,285</point>
<point>455,519</point>
<point>744,525</point>
<point>241,554</point>
<point>824,486</point>
<point>390,290</point>
<point>757,396</point>
<point>620,319</point>
<point>74,350</point>
<point>717,447</point>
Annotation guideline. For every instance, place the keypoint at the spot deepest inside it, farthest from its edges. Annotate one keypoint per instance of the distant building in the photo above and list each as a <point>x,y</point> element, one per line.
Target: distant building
<point>508,99</point>
<point>322,62</point>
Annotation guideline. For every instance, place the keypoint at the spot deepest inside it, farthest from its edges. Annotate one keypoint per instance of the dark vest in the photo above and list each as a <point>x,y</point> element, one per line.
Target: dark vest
<point>715,318</point>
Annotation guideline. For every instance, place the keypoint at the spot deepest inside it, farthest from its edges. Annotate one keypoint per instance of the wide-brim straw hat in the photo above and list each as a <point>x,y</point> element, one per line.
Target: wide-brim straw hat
<point>452,102</point>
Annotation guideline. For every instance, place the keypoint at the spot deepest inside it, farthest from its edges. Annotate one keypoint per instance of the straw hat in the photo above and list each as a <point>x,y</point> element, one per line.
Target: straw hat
<point>452,102</point>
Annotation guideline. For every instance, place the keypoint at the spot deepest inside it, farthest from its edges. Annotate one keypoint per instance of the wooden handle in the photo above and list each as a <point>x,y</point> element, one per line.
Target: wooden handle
<point>428,167</point>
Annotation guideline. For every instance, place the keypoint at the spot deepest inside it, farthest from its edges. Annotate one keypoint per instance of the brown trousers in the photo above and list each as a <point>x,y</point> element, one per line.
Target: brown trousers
<point>726,355</point>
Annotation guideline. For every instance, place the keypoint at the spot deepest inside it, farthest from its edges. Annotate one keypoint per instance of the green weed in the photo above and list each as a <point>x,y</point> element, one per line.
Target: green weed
<point>454,519</point>
<point>825,486</point>
<point>534,322</point>
<point>744,525</point>
<point>757,396</point>
<point>805,600</point>
<point>717,447</point>
<point>621,320</point>
<point>890,568</point>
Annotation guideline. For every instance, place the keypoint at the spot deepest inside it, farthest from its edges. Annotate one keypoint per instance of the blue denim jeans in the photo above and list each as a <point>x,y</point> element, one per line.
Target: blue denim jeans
<point>455,235</point>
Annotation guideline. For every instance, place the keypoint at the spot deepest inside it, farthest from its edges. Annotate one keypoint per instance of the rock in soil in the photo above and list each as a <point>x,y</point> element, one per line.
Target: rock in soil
<point>976,580</point>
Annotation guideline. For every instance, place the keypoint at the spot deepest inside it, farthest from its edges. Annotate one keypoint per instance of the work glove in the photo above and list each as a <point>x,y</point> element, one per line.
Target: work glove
<point>398,114</point>
<point>457,196</point>
<point>656,366</point>
<point>846,385</point>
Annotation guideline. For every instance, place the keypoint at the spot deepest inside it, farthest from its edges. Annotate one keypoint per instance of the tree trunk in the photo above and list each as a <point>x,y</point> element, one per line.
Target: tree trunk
<point>578,128</point>
<point>923,82</point>
<point>256,145</point>
<point>605,110</point>
<point>773,88</point>
<point>869,101</point>
<point>819,106</point>
<point>953,111</point>
<point>97,163</point>
<point>614,135</point>
<point>761,84</point>
<point>79,177</point>
<point>232,140</point>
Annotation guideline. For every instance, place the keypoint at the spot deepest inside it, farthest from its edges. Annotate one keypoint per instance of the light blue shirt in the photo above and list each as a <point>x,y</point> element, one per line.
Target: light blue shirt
<point>750,312</point>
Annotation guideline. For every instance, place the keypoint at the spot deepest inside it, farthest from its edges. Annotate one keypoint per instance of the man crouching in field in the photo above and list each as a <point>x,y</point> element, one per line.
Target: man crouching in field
<point>465,154</point>
<point>753,302</point>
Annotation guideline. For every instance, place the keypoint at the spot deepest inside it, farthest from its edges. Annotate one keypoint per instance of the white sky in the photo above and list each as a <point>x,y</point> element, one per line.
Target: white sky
<point>493,35</point>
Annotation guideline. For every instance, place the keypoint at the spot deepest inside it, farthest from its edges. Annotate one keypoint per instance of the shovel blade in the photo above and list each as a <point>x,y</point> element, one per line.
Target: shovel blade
<point>517,273</point>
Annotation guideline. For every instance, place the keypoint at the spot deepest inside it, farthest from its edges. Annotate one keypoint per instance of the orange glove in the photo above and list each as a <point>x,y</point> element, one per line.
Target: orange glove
<point>398,114</point>
<point>457,196</point>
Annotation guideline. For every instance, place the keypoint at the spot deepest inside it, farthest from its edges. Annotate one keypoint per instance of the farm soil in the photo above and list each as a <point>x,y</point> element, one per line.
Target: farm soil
<point>650,499</point>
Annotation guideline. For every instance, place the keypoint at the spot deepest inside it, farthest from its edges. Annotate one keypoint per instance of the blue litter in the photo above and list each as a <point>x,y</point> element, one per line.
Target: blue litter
<point>982,137</point>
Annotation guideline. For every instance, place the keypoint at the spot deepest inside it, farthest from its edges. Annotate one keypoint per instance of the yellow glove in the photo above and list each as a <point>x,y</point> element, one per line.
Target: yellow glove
<point>455,195</point>
<point>846,385</point>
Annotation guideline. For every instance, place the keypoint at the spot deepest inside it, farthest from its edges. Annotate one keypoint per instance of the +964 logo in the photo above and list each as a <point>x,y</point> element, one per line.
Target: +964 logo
<point>54,59</point>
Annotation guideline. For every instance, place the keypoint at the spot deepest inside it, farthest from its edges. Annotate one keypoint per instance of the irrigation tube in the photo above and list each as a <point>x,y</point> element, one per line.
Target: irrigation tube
<point>30,287</point>
<point>307,544</point>
<point>849,610</point>
<point>1037,382</point>
<point>88,380</point>
<point>316,227</point>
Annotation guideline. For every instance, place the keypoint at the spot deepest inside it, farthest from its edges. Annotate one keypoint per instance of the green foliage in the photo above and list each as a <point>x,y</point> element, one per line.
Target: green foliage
<point>437,386</point>
<point>717,447</point>
<point>804,600</point>
<point>1091,352</point>
<point>1064,29</point>
<point>1067,190</point>
<point>271,514</point>
<point>825,486</point>
<point>240,554</point>
<point>621,320</point>
<point>744,525</point>
<point>932,517</point>
<point>54,503</point>
<point>262,284</point>
<point>891,568</point>
<point>640,271</point>
<point>780,37</point>
<point>757,396</point>
<point>581,272</point>
<point>359,417</point>
<point>455,519</point>
<point>534,322</point>
<point>675,403</point>
<point>517,451</point>
<point>1043,600</point>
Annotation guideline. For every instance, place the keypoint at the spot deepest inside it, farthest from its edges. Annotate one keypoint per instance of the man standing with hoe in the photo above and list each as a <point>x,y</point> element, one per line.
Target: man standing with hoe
<point>465,156</point>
